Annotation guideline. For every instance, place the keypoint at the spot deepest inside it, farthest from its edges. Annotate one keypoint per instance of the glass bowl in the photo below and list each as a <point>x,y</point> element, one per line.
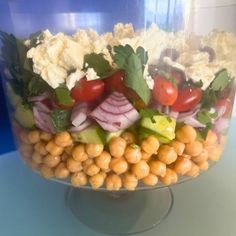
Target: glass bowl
<point>119,100</point>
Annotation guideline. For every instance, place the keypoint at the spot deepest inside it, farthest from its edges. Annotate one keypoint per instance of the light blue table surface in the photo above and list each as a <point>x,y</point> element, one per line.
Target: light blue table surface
<point>205,206</point>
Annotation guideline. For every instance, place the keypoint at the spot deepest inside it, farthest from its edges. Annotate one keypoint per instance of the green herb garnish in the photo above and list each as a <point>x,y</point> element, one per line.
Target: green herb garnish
<point>133,64</point>
<point>63,95</point>
<point>221,81</point>
<point>98,63</point>
<point>205,117</point>
<point>61,119</point>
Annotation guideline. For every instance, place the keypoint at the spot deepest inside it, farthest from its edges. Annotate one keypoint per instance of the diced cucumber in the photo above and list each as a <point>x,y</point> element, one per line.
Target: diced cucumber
<point>93,134</point>
<point>144,133</point>
<point>161,125</point>
<point>111,135</point>
<point>24,116</point>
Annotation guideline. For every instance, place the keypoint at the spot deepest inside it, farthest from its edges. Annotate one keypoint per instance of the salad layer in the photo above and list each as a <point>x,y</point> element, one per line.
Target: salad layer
<point>140,88</point>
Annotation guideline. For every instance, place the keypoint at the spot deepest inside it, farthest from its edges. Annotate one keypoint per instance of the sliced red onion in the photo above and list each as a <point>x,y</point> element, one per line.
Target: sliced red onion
<point>43,121</point>
<point>193,122</point>
<point>220,111</point>
<point>79,114</point>
<point>38,98</point>
<point>185,115</point>
<point>82,126</point>
<point>115,113</point>
<point>174,115</point>
<point>221,125</point>
<point>42,107</point>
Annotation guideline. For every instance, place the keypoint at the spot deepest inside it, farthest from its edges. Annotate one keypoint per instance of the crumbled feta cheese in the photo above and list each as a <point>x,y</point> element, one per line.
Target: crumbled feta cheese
<point>150,82</point>
<point>73,78</point>
<point>174,64</point>
<point>91,74</point>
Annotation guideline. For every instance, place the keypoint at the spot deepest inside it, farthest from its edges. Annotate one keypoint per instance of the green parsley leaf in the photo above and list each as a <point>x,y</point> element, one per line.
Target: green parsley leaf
<point>98,63</point>
<point>37,86</point>
<point>202,133</point>
<point>148,112</point>
<point>61,119</point>
<point>205,117</point>
<point>122,53</point>
<point>132,63</point>
<point>142,54</point>
<point>221,81</point>
<point>63,95</point>
<point>209,98</point>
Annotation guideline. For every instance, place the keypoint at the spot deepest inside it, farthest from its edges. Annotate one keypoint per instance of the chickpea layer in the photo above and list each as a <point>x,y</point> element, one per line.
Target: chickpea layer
<point>122,163</point>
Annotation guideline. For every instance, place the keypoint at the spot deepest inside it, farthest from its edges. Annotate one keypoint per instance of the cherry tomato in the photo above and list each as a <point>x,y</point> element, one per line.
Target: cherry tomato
<point>164,91</point>
<point>178,75</point>
<point>226,104</point>
<point>187,99</point>
<point>115,82</point>
<point>86,91</point>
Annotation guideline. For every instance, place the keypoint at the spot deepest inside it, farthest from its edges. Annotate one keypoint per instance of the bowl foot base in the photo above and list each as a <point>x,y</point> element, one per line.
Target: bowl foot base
<point>120,213</point>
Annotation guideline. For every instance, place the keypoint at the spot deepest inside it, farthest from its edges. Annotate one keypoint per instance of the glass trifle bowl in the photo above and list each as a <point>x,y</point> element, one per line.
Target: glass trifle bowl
<point>119,100</point>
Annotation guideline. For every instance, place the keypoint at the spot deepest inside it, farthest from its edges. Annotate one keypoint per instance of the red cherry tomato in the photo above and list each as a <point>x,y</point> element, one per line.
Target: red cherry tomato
<point>115,82</point>
<point>188,98</point>
<point>226,104</point>
<point>86,91</point>
<point>164,91</point>
<point>178,75</point>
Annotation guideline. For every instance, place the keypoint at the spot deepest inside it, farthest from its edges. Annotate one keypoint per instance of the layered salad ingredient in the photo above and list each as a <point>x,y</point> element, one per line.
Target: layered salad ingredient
<point>123,107</point>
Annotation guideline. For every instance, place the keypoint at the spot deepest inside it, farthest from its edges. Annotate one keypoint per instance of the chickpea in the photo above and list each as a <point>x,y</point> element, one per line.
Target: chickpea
<point>119,165</point>
<point>46,171</point>
<point>157,168</point>
<point>194,171</point>
<point>204,165</point>
<point>96,181</point>
<point>79,154</point>
<point>202,157</point>
<point>130,181</point>
<point>61,172</point>
<point>94,150</point>
<point>26,150</point>
<point>37,158</point>
<point>182,165</point>
<point>103,174</point>
<point>73,166</point>
<point>41,148</point>
<point>150,180</point>
<point>186,156</point>
<point>128,137</point>
<point>145,156</point>
<point>194,149</point>
<point>92,170</point>
<point>64,156</point>
<point>211,139</point>
<point>150,145</point>
<point>133,154</point>
<point>103,160</point>
<point>186,134</point>
<point>54,149</point>
<point>170,177</point>
<point>34,136</point>
<point>117,147</point>
<point>178,147</point>
<point>24,137</point>
<point>79,179</point>
<point>87,163</point>
<point>113,182</point>
<point>69,149</point>
<point>141,169</point>
<point>44,136</point>
<point>63,139</point>
<point>167,154</point>
<point>51,161</point>
<point>214,152</point>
